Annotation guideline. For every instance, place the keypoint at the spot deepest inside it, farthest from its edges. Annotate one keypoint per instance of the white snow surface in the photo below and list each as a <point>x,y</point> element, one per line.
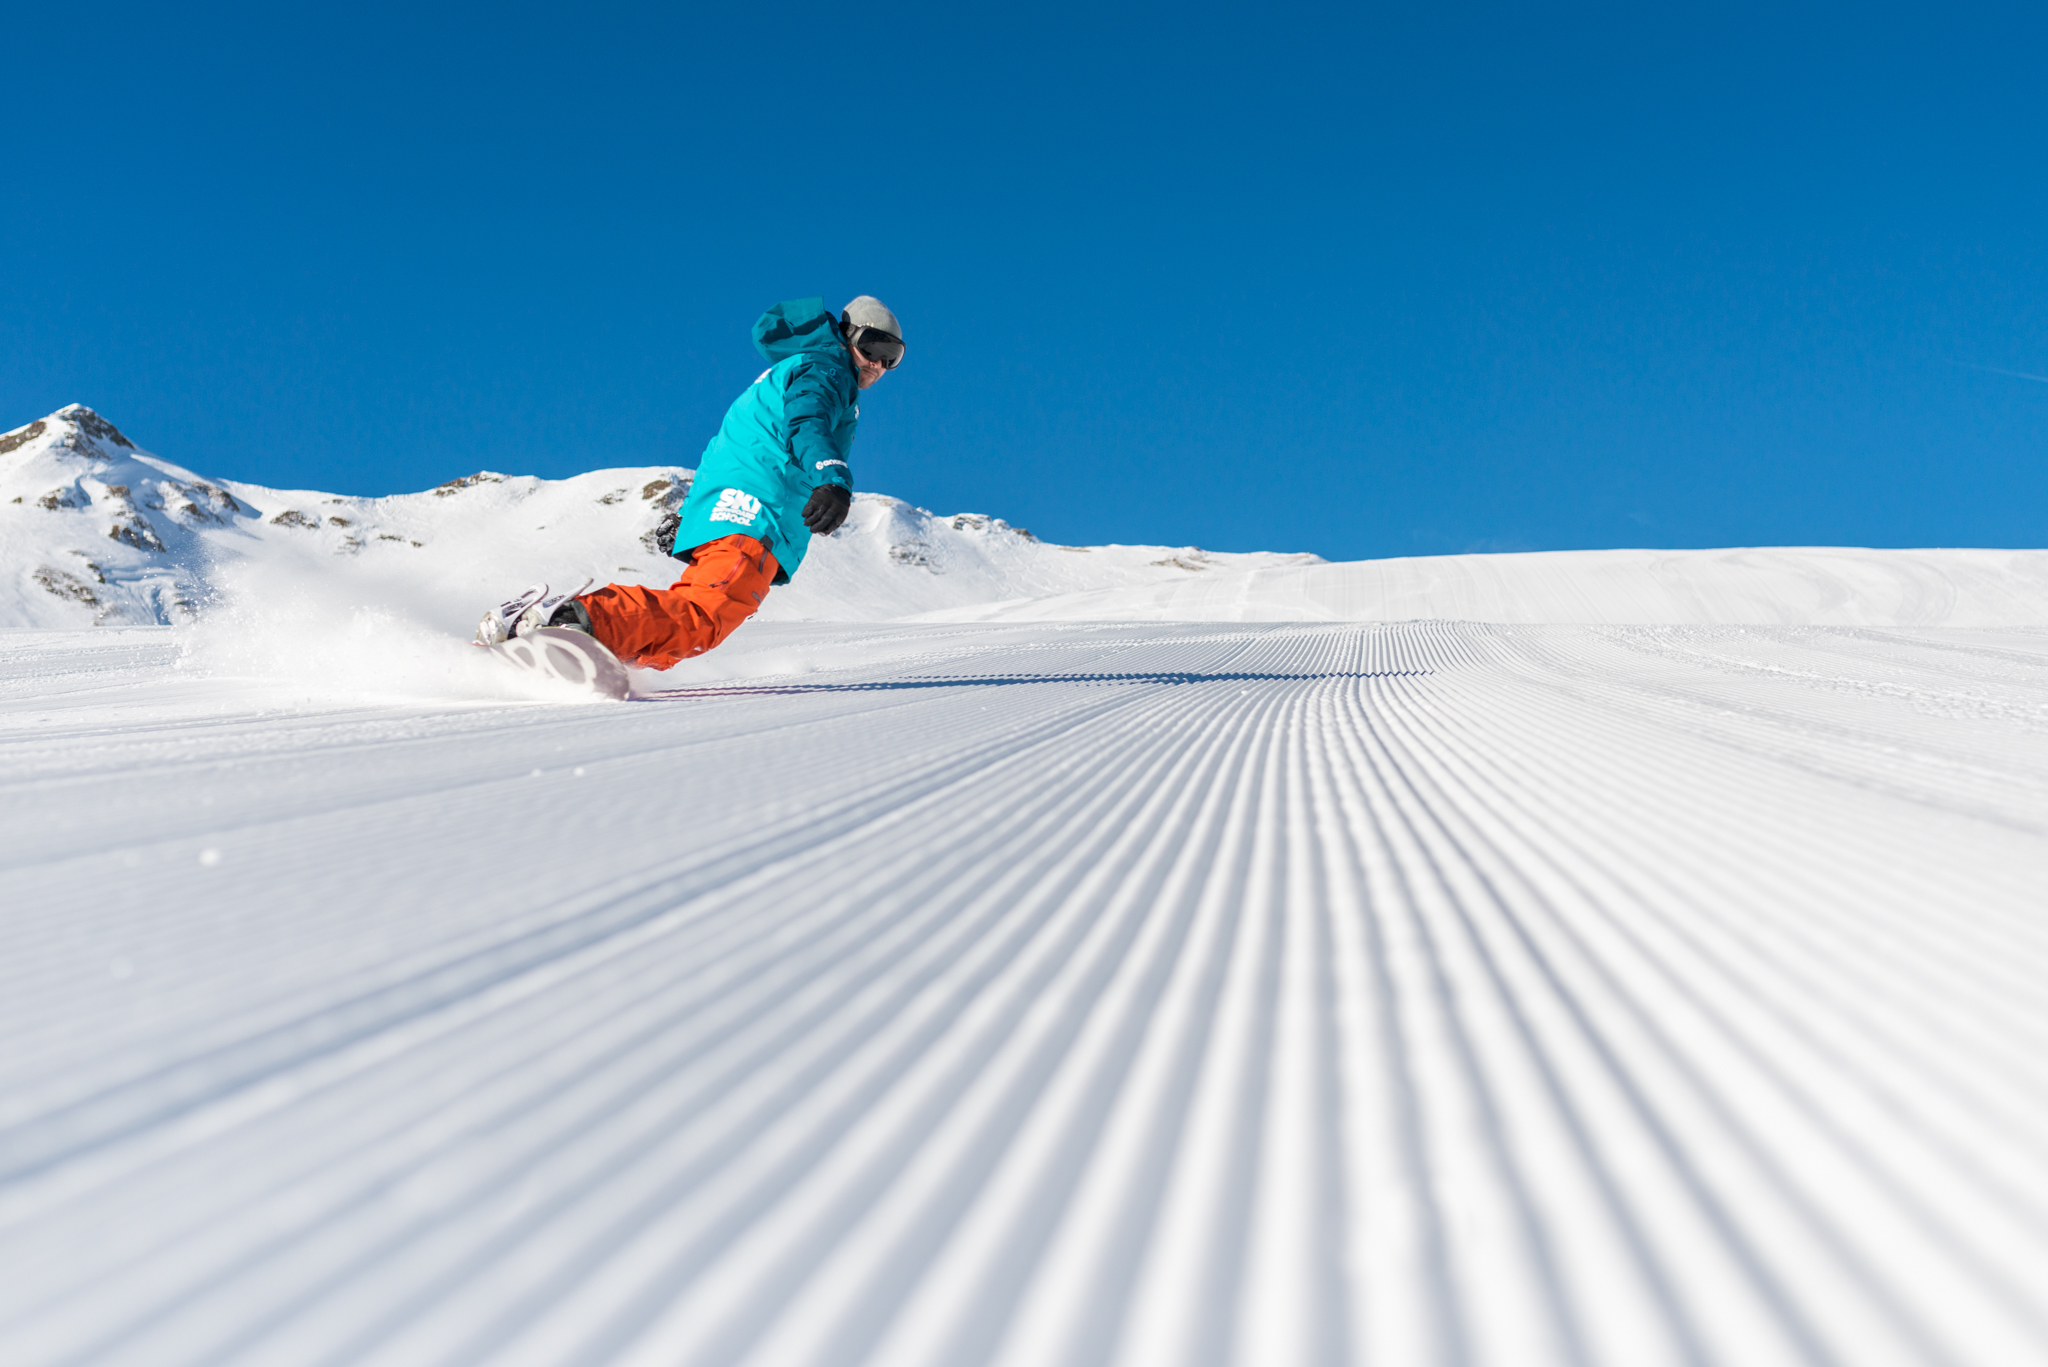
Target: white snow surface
<point>1779,586</point>
<point>1054,991</point>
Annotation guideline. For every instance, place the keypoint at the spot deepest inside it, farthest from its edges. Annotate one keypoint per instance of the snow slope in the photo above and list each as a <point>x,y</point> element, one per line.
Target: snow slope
<point>1034,993</point>
<point>1257,987</point>
<point>1783,586</point>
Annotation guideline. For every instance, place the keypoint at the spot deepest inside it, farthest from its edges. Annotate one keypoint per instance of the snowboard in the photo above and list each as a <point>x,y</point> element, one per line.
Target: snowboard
<point>570,656</point>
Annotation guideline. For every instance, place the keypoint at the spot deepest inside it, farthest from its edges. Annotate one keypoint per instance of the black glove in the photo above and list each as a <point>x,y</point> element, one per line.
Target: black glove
<point>827,509</point>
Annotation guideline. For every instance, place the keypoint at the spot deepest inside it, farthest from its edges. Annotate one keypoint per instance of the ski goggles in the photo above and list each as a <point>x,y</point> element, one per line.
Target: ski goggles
<point>880,347</point>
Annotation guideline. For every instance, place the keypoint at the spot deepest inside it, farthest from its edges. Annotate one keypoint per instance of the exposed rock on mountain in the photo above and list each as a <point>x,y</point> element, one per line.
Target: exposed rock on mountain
<point>456,486</point>
<point>22,436</point>
<point>71,481</point>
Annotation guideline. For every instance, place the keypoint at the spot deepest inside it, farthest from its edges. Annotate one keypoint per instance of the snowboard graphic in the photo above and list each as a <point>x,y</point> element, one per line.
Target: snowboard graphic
<point>570,656</point>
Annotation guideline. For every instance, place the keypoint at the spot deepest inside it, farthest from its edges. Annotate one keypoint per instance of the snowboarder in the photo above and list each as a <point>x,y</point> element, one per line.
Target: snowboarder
<point>775,475</point>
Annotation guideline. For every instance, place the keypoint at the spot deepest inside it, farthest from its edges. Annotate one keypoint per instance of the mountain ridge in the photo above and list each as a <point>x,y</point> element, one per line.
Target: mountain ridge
<point>95,530</point>
<point>98,531</point>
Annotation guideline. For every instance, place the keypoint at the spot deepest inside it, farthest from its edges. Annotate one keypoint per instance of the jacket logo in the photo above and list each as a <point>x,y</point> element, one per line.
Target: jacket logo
<point>735,505</point>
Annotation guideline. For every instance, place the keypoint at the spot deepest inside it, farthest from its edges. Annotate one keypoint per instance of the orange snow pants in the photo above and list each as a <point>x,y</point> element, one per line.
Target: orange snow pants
<point>655,628</point>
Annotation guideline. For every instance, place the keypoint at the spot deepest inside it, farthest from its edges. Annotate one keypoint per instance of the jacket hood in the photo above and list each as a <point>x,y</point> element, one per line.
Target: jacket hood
<point>796,325</point>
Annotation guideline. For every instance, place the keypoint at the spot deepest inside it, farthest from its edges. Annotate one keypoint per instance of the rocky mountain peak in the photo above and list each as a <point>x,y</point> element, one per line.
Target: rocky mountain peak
<point>91,424</point>
<point>73,428</point>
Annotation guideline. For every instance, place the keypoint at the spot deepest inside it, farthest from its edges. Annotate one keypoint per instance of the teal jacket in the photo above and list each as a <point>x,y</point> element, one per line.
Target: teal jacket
<point>790,432</point>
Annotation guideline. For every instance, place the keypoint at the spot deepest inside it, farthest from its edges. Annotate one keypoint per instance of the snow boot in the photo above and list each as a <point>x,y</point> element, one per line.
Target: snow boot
<point>509,618</point>
<point>568,613</point>
<point>498,622</point>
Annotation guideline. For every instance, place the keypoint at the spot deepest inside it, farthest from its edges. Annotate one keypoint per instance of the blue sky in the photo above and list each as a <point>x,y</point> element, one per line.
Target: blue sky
<point>1363,281</point>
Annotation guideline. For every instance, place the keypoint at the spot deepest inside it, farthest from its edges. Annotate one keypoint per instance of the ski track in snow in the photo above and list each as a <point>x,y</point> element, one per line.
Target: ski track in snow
<point>1402,993</point>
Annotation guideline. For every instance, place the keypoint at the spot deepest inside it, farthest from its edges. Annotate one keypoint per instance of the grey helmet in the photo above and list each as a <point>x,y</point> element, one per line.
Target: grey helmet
<point>870,312</point>
<point>870,329</point>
